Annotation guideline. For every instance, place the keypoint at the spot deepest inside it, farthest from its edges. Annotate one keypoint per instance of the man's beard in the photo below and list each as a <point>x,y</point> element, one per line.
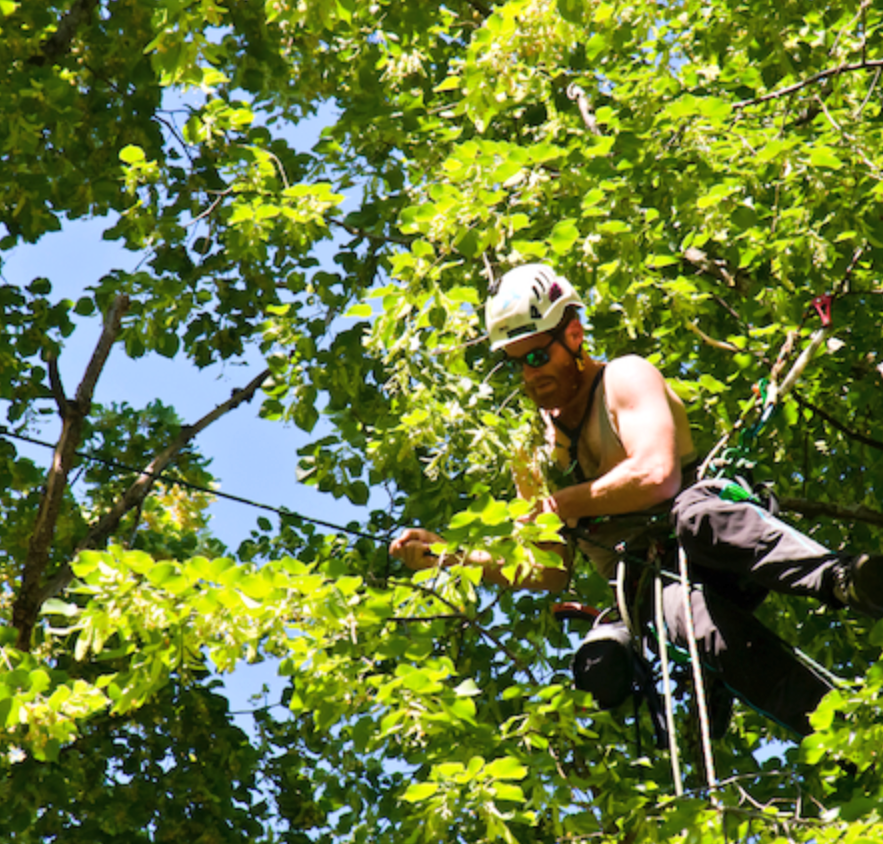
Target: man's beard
<point>567,382</point>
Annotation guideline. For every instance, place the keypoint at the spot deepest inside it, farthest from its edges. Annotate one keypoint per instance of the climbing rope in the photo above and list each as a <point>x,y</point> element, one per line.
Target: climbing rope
<point>769,394</point>
<point>698,680</point>
<point>674,754</point>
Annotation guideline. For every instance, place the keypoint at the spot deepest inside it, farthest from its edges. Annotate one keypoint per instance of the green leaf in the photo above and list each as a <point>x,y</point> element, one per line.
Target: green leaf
<point>419,791</point>
<point>506,768</point>
<point>360,310</point>
<point>563,236</point>
<point>132,154</point>
<point>820,156</point>
<point>467,688</point>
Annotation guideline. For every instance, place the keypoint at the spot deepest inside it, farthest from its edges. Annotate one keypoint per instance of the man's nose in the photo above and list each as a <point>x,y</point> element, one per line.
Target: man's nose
<point>529,373</point>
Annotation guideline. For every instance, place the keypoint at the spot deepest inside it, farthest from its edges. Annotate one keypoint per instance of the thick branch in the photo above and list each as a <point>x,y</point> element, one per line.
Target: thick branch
<point>817,77</point>
<point>841,512</point>
<point>60,41</point>
<point>57,387</point>
<point>27,603</point>
<point>135,495</point>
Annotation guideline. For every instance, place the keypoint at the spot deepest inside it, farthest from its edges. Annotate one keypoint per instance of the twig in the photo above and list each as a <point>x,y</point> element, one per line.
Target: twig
<point>357,232</point>
<point>835,423</point>
<point>713,266</point>
<point>870,93</point>
<point>208,211</point>
<point>717,344</point>
<point>416,619</point>
<point>816,77</point>
<point>472,622</point>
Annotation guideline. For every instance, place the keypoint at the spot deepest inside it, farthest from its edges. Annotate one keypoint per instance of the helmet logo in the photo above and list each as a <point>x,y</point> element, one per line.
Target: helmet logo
<point>555,292</point>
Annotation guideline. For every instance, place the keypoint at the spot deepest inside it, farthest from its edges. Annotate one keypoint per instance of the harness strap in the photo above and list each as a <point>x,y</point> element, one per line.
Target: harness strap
<point>574,434</point>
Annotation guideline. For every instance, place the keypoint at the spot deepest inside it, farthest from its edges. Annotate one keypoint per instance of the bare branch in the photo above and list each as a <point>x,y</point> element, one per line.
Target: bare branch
<point>56,386</point>
<point>574,92</point>
<point>134,496</point>
<point>841,512</point>
<point>816,77</point>
<point>870,93</point>
<point>27,603</point>
<point>717,344</point>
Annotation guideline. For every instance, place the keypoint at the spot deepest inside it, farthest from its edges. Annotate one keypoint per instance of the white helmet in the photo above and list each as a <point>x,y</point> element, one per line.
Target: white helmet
<point>529,300</point>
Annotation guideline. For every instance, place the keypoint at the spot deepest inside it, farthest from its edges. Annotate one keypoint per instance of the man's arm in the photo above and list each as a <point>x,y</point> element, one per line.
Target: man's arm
<point>651,472</point>
<point>413,548</point>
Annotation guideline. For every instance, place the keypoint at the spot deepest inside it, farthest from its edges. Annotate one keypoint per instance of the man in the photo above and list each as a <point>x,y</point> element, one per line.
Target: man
<point>622,435</point>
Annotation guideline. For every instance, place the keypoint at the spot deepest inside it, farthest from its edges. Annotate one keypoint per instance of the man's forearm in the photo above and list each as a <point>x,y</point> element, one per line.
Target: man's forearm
<point>627,488</point>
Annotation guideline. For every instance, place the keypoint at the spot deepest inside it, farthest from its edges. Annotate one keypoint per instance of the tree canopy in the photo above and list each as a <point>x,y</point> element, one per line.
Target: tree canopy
<point>709,176</point>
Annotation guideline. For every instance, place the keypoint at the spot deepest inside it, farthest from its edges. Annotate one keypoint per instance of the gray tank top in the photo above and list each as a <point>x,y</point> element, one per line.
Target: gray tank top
<point>580,465</point>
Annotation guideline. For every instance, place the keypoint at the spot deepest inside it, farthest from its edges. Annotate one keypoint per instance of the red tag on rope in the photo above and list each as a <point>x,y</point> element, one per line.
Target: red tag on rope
<point>823,305</point>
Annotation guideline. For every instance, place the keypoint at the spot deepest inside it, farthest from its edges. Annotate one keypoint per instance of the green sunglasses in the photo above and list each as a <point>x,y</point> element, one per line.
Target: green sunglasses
<point>535,358</point>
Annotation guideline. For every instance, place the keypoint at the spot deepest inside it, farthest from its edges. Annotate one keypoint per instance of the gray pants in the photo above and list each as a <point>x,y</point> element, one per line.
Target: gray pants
<point>738,553</point>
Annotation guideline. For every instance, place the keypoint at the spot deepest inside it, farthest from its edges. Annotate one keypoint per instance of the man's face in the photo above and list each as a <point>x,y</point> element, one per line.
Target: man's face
<point>554,384</point>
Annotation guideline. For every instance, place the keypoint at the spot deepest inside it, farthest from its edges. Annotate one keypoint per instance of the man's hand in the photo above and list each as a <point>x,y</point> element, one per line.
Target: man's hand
<point>412,547</point>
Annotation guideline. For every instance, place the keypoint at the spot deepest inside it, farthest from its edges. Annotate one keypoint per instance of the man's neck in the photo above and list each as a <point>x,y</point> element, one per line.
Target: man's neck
<point>571,414</point>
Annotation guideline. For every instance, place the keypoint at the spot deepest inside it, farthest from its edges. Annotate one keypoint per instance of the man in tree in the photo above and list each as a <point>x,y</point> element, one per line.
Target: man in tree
<point>622,436</point>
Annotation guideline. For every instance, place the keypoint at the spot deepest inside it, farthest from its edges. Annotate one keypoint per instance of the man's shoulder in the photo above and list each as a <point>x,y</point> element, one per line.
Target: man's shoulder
<point>631,376</point>
<point>628,366</point>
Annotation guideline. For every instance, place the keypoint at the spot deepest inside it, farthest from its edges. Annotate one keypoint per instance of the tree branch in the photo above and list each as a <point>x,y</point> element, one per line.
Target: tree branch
<point>60,40</point>
<point>816,77</point>
<point>717,344</point>
<point>841,512</point>
<point>481,8</point>
<point>715,267</point>
<point>135,495</point>
<point>374,238</point>
<point>834,423</point>
<point>27,603</point>
<point>56,386</point>
<point>574,92</point>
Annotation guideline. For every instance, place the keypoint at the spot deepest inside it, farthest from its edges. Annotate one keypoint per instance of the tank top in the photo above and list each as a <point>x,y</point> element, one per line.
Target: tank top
<point>571,452</point>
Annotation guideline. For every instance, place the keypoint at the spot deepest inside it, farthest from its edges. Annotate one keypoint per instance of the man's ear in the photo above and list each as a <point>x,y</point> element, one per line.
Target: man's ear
<point>574,334</point>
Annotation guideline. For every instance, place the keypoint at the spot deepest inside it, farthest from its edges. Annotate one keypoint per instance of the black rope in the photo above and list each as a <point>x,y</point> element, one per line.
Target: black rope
<point>115,464</point>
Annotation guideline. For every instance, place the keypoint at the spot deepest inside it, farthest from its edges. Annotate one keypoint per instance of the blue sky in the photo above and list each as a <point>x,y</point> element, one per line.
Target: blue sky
<point>251,457</point>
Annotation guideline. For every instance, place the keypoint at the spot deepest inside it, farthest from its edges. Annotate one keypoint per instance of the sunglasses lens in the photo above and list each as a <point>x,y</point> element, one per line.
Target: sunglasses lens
<point>536,358</point>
